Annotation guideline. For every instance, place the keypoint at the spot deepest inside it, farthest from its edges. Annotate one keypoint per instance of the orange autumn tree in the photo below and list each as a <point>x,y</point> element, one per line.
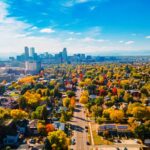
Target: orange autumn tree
<point>41,128</point>
<point>72,102</point>
<point>50,128</point>
<point>28,79</point>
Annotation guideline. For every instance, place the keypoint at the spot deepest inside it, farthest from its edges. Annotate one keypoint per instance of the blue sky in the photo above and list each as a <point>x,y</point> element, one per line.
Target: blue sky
<point>105,27</point>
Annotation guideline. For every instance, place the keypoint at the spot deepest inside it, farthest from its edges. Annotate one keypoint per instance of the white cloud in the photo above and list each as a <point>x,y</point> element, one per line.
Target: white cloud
<point>70,39</point>
<point>3,12</point>
<point>71,3</point>
<point>74,33</point>
<point>93,32</point>
<point>129,42</point>
<point>121,41</point>
<point>89,39</point>
<point>47,30</point>
<point>92,8</point>
<point>14,35</point>
<point>34,28</point>
<point>147,37</point>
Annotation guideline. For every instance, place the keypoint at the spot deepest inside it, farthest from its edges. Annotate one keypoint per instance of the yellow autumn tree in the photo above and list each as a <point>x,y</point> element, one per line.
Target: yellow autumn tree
<point>83,99</point>
<point>88,81</point>
<point>18,114</point>
<point>32,98</point>
<point>66,102</point>
<point>85,93</point>
<point>117,115</point>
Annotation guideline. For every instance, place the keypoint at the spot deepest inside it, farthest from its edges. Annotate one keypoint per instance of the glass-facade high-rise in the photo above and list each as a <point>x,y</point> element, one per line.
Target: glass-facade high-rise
<point>26,52</point>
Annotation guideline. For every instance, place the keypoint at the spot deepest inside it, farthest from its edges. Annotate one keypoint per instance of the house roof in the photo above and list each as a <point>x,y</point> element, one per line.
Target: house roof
<point>122,127</point>
<point>33,123</point>
<point>59,125</point>
<point>118,127</point>
<point>107,127</point>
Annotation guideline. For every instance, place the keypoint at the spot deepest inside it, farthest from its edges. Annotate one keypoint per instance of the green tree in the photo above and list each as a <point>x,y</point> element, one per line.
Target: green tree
<point>2,89</point>
<point>96,111</point>
<point>70,93</point>
<point>40,113</point>
<point>57,140</point>
<point>140,113</point>
<point>99,100</point>
<point>22,102</point>
<point>142,131</point>
<point>4,114</point>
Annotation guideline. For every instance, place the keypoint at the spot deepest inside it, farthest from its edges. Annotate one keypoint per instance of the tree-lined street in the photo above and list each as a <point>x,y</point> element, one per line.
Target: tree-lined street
<point>79,122</point>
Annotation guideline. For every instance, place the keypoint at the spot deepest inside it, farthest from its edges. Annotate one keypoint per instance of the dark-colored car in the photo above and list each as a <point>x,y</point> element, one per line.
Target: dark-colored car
<point>87,143</point>
<point>32,141</point>
<point>86,127</point>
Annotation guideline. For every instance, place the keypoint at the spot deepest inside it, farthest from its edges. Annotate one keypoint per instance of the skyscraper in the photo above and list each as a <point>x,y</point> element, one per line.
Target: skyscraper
<point>64,55</point>
<point>26,52</point>
<point>32,52</point>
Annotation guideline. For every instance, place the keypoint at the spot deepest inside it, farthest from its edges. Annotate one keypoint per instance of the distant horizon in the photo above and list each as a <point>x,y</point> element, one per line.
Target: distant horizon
<point>5,56</point>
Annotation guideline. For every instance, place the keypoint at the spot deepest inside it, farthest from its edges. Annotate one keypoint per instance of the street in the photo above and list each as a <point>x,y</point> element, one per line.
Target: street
<point>79,122</point>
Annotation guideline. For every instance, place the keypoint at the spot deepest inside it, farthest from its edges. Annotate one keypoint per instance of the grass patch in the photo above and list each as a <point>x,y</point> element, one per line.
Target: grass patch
<point>89,137</point>
<point>98,140</point>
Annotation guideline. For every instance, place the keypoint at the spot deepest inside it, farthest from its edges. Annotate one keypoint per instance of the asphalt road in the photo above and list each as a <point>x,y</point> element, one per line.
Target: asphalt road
<point>79,122</point>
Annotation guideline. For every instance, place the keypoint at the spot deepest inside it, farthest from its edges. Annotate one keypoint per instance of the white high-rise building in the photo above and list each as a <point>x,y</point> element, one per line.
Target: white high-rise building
<point>32,66</point>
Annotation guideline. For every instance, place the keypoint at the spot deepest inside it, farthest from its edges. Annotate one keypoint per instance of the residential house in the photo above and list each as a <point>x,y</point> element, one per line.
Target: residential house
<point>32,127</point>
<point>59,126</point>
<point>107,127</point>
<point>22,126</point>
<point>9,134</point>
<point>8,102</point>
<point>115,129</point>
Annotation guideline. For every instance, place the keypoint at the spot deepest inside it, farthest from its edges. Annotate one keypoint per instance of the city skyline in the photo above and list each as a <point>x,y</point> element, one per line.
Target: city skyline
<point>98,27</point>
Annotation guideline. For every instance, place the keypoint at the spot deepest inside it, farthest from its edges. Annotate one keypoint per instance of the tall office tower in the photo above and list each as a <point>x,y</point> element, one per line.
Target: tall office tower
<point>32,52</point>
<point>64,55</point>
<point>26,52</point>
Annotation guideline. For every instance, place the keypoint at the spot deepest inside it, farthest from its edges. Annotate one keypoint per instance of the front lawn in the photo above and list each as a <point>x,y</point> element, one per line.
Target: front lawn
<point>98,140</point>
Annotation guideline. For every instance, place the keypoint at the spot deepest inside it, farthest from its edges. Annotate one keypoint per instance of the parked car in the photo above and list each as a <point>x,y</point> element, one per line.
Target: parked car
<point>32,141</point>
<point>86,127</point>
<point>87,143</point>
<point>73,142</point>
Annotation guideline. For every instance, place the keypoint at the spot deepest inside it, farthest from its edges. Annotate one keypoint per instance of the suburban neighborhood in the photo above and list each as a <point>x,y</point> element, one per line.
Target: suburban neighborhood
<point>78,107</point>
